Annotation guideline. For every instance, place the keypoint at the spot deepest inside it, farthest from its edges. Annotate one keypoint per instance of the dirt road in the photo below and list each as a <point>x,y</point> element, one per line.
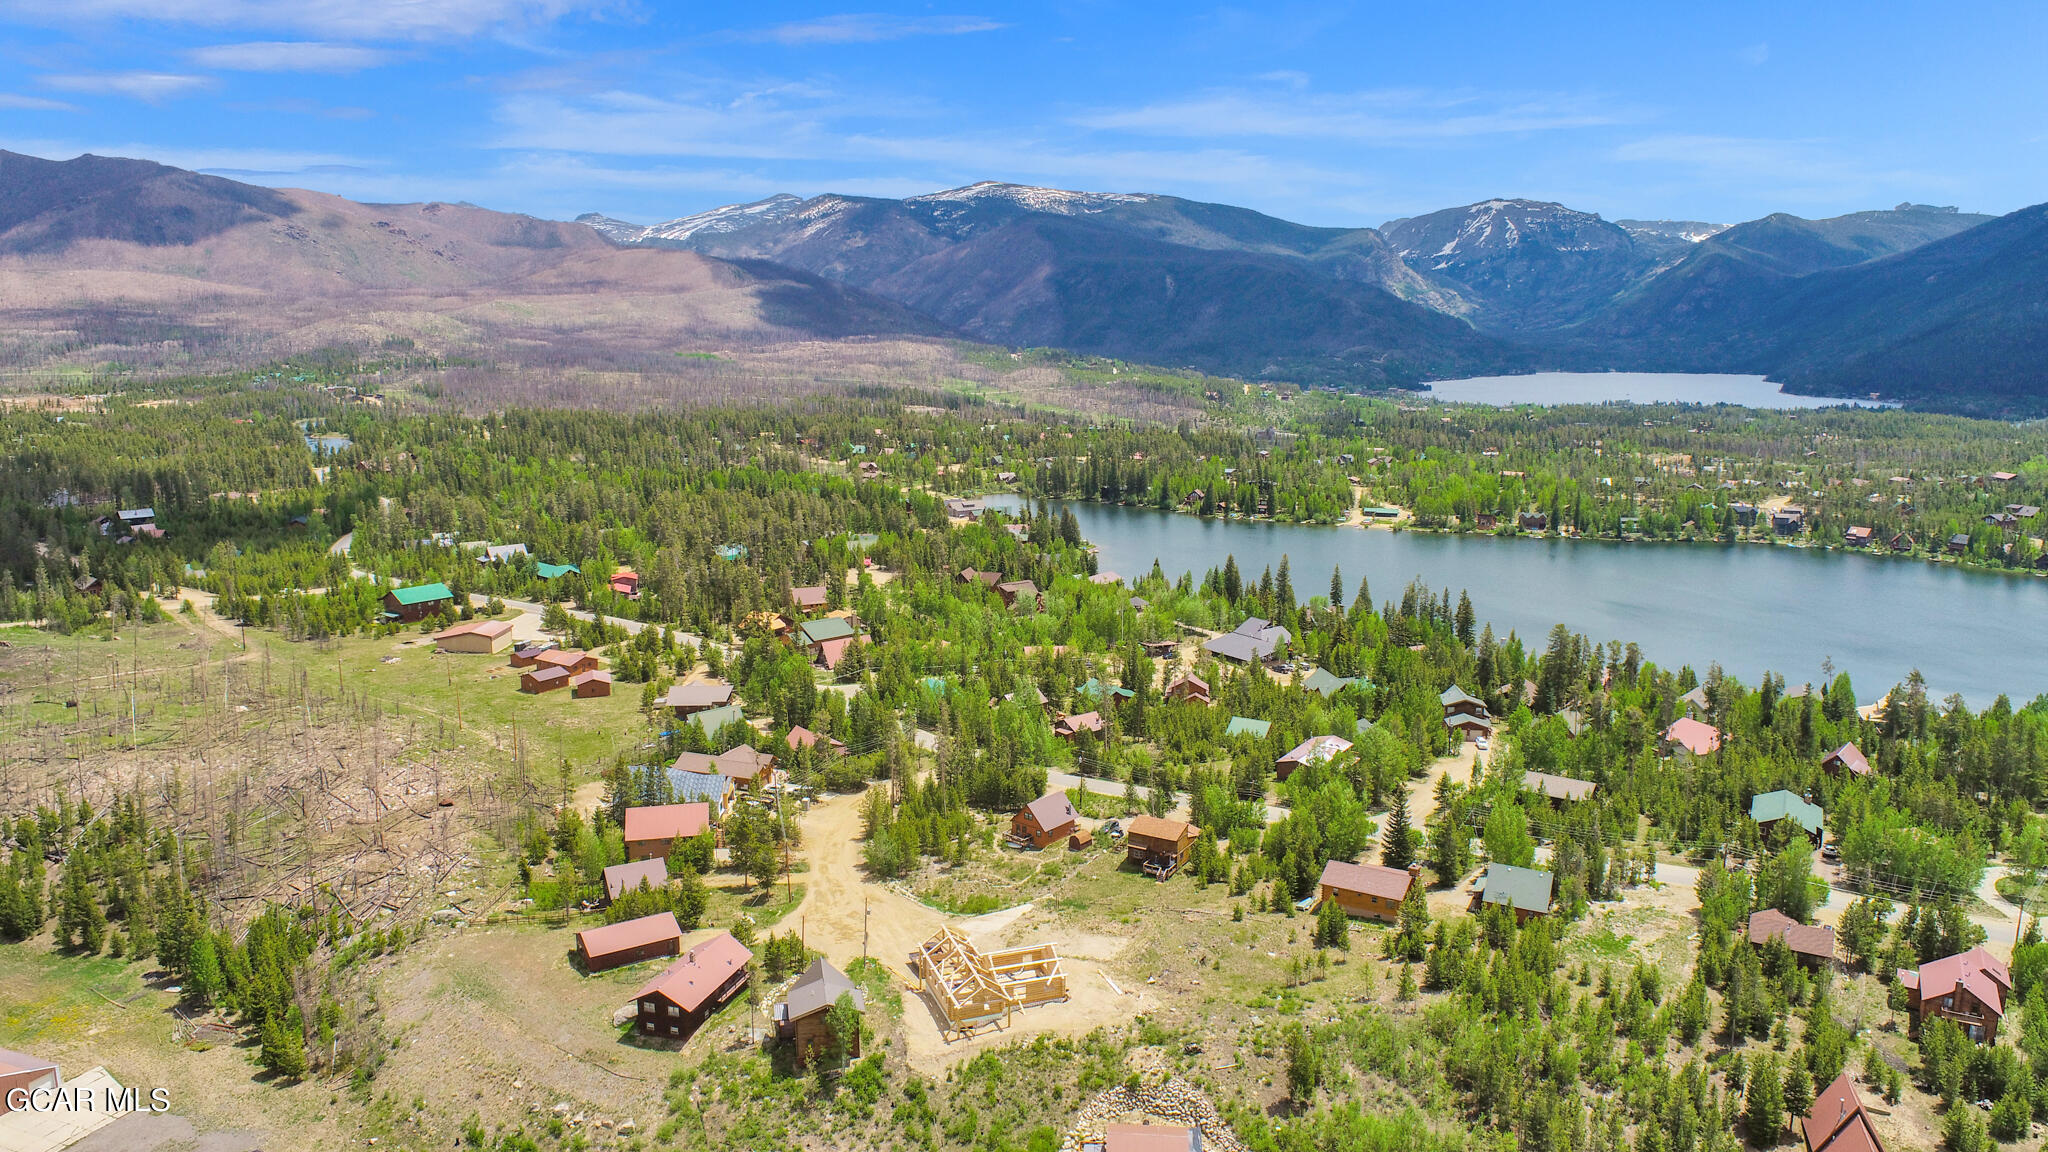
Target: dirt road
<point>841,908</point>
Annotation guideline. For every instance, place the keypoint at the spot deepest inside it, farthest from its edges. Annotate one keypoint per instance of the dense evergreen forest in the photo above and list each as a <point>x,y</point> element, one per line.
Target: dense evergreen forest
<point>723,512</point>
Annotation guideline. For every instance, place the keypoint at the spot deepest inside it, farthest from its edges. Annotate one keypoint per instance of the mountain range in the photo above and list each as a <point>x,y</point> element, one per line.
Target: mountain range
<point>1531,284</point>
<point>115,260</point>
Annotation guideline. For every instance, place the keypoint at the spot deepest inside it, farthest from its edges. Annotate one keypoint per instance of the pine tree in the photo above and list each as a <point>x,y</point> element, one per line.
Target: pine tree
<point>1336,588</point>
<point>1798,1089</point>
<point>1397,848</point>
<point>1467,619</point>
<point>1764,1107</point>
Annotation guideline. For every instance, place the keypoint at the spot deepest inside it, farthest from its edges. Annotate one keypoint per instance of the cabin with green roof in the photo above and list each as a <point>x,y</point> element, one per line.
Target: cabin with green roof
<point>1246,726</point>
<point>1526,890</point>
<point>1770,807</point>
<point>417,601</point>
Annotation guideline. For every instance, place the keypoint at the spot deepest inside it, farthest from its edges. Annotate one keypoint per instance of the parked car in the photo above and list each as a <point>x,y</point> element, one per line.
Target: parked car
<point>1479,742</point>
<point>1831,854</point>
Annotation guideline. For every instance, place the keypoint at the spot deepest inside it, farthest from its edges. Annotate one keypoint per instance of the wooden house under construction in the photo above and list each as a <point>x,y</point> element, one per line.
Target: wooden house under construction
<point>976,990</point>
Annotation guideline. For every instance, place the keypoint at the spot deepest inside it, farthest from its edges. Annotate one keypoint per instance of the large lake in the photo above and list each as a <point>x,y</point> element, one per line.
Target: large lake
<point>1752,607</point>
<point>1628,387</point>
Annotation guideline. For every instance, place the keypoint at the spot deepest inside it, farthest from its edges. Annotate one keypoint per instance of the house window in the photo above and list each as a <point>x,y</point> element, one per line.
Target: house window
<point>647,1025</point>
<point>647,1005</point>
<point>674,1011</point>
<point>673,1029</point>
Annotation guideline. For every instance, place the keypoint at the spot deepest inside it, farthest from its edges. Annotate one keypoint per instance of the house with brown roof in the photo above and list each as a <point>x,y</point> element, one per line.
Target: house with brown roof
<point>1046,820</point>
<point>800,1018</point>
<point>625,582</point>
<point>1559,790</point>
<point>1189,689</point>
<point>1371,890</point>
<point>1812,944</point>
<point>1150,1138</point>
<point>1693,737</point>
<point>748,767</point>
<point>525,654</point>
<point>650,829</point>
<point>689,699</point>
<point>570,660</point>
<point>810,598</point>
<point>1158,846</point>
<point>1837,1122</point>
<point>1903,542</point>
<point>1015,592</point>
<point>802,737</point>
<point>1859,537</point>
<point>620,879</point>
<point>1314,750</point>
<point>1465,713</point>
<point>538,680</point>
<point>1068,727</point>
<point>20,1074</point>
<point>1848,758</point>
<point>485,637</point>
<point>1969,988</point>
<point>629,941</point>
<point>673,1004</point>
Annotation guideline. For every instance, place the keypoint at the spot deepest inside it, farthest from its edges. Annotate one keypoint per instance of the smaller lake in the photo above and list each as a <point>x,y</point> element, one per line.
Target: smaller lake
<point>1630,388</point>
<point>327,445</point>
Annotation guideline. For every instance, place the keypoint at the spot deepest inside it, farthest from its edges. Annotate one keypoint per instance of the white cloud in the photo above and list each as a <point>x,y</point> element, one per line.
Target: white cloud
<point>288,56</point>
<point>1385,117</point>
<point>150,86</point>
<point>866,28</point>
<point>1798,171</point>
<point>34,103</point>
<point>341,19</point>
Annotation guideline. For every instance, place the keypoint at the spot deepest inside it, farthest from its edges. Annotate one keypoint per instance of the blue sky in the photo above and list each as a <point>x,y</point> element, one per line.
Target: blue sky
<point>1339,114</point>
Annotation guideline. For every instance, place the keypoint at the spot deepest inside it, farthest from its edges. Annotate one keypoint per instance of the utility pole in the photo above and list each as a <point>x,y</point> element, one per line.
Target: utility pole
<point>867,905</point>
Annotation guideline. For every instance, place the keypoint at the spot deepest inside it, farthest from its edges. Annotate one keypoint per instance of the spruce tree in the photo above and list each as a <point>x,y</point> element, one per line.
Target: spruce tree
<point>1397,848</point>
<point>1764,1108</point>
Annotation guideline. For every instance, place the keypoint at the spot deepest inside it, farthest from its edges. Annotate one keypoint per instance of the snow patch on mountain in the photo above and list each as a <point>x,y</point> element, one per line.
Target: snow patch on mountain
<point>1035,199</point>
<point>1690,231</point>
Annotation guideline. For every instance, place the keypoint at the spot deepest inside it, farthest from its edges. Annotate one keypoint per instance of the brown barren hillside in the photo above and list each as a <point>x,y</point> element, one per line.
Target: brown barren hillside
<point>111,262</point>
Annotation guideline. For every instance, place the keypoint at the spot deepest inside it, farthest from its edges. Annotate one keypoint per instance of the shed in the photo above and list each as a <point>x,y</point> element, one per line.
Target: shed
<point>570,660</point>
<point>538,680</point>
<point>588,685</point>
<point>525,654</point>
<point>629,941</point>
